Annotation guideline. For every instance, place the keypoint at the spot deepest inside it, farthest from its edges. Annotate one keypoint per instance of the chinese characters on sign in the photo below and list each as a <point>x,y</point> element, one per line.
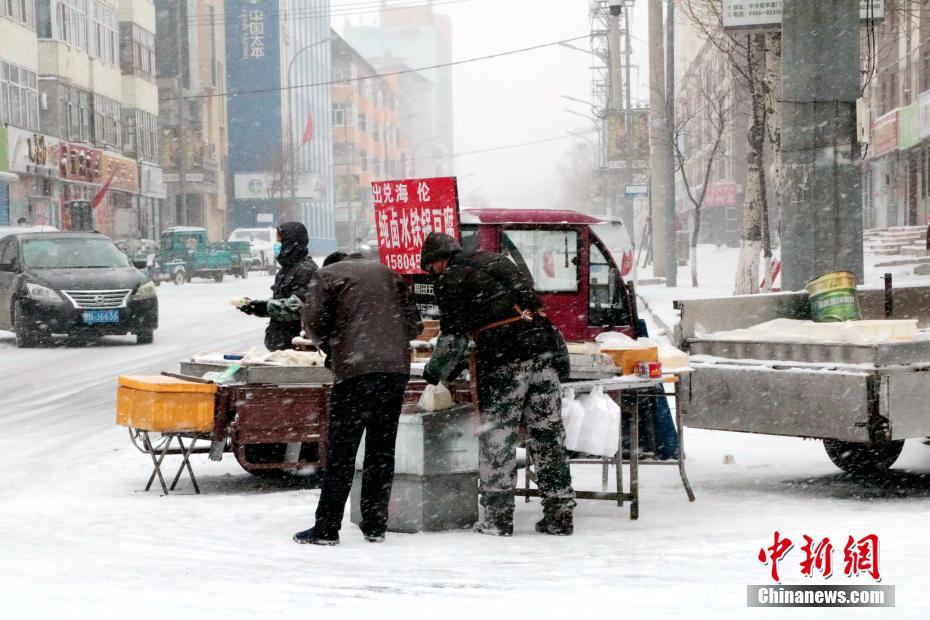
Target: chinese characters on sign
<point>768,13</point>
<point>860,557</point>
<point>253,33</point>
<point>408,210</point>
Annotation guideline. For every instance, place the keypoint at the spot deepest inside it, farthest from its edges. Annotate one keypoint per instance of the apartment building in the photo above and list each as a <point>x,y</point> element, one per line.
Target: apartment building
<point>368,139</point>
<point>191,53</point>
<point>705,85</point>
<point>72,86</point>
<point>894,117</point>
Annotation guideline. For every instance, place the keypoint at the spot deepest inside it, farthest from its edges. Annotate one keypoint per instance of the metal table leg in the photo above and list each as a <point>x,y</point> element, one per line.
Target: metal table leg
<point>185,462</point>
<point>681,444</point>
<point>634,458</point>
<point>147,443</point>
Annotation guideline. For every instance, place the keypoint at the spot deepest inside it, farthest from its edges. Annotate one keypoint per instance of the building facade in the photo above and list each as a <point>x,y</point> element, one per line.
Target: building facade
<point>193,121</point>
<point>369,143</point>
<point>71,90</point>
<point>894,118</point>
<point>705,87</point>
<point>418,37</point>
<point>279,132</point>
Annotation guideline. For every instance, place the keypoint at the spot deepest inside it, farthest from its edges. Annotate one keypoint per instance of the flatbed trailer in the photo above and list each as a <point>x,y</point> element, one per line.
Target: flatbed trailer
<point>862,401</point>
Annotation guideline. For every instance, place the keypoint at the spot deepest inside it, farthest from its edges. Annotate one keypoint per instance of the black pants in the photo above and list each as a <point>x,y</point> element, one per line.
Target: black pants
<point>369,403</point>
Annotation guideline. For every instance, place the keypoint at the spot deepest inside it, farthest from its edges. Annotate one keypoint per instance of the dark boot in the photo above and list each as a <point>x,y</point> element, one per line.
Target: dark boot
<point>371,535</point>
<point>557,523</point>
<point>310,537</point>
<point>496,524</point>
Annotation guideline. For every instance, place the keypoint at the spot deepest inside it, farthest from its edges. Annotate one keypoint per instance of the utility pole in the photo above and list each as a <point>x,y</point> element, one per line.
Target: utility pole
<point>182,109</point>
<point>629,217</point>
<point>615,110</point>
<point>671,239</point>
<point>658,139</point>
<point>822,218</point>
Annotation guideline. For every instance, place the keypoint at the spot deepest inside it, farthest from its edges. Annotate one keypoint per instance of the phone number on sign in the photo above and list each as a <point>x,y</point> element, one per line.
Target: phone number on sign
<point>403,262</point>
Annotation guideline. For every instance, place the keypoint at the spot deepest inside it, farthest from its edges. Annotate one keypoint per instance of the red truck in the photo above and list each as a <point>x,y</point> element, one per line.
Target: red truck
<point>578,263</point>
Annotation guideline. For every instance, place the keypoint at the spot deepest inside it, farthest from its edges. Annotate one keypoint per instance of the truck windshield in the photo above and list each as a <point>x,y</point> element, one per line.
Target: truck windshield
<point>550,256</point>
<point>76,253</point>
<point>251,235</point>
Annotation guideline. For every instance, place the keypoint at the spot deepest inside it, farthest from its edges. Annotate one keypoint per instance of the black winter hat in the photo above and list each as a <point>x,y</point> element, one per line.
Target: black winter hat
<point>437,246</point>
<point>335,257</point>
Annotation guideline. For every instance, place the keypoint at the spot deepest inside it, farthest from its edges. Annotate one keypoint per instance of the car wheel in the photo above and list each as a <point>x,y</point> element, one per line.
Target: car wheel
<point>25,336</point>
<point>862,458</point>
<point>218,277</point>
<point>179,277</point>
<point>145,336</point>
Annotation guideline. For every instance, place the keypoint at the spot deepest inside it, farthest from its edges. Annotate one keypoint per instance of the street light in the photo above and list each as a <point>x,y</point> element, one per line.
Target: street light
<point>292,146</point>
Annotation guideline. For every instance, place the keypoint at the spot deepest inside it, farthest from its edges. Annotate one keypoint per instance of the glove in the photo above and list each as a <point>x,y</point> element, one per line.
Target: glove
<point>256,307</point>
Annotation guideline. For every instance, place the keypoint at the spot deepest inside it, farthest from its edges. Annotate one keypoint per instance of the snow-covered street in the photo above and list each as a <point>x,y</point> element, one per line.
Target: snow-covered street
<point>79,538</point>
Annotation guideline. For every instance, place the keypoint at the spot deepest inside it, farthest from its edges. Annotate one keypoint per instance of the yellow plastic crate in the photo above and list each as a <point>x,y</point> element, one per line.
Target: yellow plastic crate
<point>626,359</point>
<point>164,404</point>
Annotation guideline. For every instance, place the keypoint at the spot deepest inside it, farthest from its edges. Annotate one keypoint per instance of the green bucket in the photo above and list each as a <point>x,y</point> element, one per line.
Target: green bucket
<point>833,297</point>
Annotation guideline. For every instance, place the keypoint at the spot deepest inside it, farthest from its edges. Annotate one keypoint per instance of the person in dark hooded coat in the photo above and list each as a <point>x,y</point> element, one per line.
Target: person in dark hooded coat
<point>290,286</point>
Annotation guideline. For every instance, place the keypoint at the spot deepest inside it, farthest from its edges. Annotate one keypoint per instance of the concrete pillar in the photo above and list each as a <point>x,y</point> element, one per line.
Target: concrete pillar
<point>821,226</point>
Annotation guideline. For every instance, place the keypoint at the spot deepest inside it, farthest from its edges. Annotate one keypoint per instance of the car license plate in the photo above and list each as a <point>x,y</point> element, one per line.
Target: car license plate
<point>101,316</point>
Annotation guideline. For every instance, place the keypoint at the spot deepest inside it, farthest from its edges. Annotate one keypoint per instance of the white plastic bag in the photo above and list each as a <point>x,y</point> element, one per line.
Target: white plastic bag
<point>435,398</point>
<point>600,432</point>
<point>572,418</point>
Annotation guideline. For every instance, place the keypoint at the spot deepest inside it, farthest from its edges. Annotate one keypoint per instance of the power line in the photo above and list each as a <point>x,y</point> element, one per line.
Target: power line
<point>360,78</point>
<point>204,19</point>
<point>505,147</point>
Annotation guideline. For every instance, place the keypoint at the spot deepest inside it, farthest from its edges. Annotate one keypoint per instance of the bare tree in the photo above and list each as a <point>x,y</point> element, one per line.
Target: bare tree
<point>746,56</point>
<point>710,105</point>
<point>280,184</point>
<point>578,184</point>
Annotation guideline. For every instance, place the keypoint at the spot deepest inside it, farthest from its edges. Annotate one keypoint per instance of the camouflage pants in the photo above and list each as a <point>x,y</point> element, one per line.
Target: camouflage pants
<point>506,395</point>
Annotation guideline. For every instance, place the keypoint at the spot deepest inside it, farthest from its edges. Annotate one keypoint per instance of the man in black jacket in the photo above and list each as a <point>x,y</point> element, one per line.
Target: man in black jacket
<point>485,296</point>
<point>365,314</point>
<point>289,288</point>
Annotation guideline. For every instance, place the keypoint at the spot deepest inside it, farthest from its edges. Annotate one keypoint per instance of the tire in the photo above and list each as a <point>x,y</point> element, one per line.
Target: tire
<point>861,458</point>
<point>25,337</point>
<point>218,277</point>
<point>179,277</point>
<point>145,336</point>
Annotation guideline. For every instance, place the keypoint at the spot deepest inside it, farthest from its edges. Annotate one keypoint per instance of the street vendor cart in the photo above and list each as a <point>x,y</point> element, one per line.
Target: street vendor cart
<point>862,399</point>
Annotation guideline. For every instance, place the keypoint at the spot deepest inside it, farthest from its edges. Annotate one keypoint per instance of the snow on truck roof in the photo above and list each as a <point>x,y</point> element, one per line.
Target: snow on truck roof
<point>529,216</point>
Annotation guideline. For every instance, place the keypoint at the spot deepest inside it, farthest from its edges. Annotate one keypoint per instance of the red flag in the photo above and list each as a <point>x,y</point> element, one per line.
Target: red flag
<point>99,196</point>
<point>308,132</point>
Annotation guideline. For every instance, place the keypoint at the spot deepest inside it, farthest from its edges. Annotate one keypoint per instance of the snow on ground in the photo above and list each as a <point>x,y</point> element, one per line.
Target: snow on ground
<point>79,538</point>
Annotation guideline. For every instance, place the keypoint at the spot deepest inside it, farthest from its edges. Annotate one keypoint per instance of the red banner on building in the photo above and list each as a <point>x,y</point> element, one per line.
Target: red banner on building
<point>408,210</point>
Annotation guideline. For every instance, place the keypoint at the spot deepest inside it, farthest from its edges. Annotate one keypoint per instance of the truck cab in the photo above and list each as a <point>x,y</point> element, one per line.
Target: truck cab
<point>578,263</point>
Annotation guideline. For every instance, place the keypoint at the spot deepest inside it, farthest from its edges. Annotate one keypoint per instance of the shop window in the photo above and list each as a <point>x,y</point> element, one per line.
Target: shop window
<point>550,257</point>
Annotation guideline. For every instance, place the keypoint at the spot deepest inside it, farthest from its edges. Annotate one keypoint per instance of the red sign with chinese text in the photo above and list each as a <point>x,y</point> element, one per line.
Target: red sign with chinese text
<point>408,210</point>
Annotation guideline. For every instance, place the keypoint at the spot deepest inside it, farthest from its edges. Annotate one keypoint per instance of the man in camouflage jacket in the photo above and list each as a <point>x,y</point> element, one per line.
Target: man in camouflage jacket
<point>485,296</point>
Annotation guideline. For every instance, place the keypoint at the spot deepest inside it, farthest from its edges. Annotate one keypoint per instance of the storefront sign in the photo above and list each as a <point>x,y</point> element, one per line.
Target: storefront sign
<point>628,142</point>
<point>908,134</point>
<point>408,210</point>
<point>152,182</point>
<point>923,115</point>
<point>32,153</point>
<point>722,195</point>
<point>4,151</point>
<point>767,14</point>
<point>123,171</point>
<point>885,134</point>
<point>79,163</point>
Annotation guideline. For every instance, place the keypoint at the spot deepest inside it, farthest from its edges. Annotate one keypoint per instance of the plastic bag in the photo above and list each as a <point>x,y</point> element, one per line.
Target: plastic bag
<point>435,398</point>
<point>600,431</point>
<point>572,418</point>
